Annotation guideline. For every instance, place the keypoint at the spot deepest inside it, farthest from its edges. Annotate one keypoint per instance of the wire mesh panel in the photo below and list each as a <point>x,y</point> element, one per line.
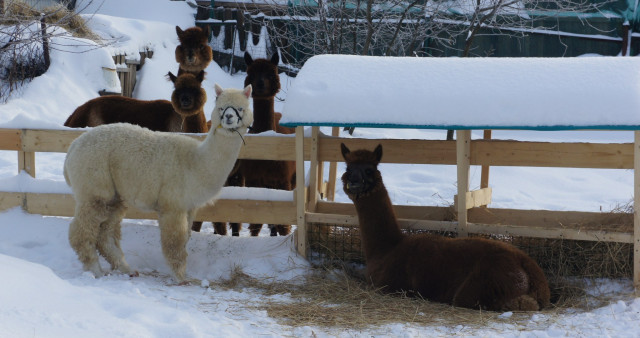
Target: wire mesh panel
<point>332,244</point>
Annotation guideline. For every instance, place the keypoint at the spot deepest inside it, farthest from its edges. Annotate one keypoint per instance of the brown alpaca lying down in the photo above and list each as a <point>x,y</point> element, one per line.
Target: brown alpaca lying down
<point>184,113</point>
<point>467,272</point>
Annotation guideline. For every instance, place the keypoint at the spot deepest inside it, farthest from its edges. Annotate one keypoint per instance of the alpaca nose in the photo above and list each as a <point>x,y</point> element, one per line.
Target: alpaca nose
<point>186,101</point>
<point>191,57</point>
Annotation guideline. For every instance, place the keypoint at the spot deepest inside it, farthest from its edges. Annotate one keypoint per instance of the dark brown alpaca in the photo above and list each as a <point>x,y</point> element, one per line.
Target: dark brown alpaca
<point>193,53</point>
<point>262,75</point>
<point>184,113</point>
<point>467,272</point>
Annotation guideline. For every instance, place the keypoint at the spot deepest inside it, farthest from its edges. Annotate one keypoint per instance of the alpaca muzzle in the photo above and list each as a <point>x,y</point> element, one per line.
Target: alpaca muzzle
<point>231,117</point>
<point>186,101</point>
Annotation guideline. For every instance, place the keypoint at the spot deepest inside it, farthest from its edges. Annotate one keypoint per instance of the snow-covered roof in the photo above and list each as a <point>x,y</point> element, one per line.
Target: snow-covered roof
<point>466,93</point>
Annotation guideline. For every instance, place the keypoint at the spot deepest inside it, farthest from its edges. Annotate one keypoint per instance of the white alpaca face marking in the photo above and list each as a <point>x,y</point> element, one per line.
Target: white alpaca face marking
<point>231,117</point>
<point>232,108</point>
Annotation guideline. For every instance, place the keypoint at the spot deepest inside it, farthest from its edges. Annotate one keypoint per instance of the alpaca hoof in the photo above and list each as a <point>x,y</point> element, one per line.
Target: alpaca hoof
<point>134,274</point>
<point>237,234</point>
<point>96,270</point>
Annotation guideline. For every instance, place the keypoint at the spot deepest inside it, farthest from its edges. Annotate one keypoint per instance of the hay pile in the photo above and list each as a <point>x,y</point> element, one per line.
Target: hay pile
<point>334,299</point>
<point>19,12</point>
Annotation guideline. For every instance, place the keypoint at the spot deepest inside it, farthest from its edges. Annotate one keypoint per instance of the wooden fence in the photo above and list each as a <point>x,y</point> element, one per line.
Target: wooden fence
<point>127,67</point>
<point>472,215</point>
<point>315,204</point>
<point>28,142</point>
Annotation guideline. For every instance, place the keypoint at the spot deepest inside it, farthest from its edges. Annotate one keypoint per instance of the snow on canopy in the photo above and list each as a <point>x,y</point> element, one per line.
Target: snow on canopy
<point>466,93</point>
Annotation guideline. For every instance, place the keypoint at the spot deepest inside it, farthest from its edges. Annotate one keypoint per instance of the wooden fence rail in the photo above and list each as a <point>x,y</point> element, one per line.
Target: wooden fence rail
<point>469,215</point>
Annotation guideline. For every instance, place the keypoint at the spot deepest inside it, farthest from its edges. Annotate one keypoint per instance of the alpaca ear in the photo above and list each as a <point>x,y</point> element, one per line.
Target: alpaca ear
<point>275,58</point>
<point>200,76</point>
<point>179,31</point>
<point>378,153</point>
<point>247,91</point>
<point>248,59</point>
<point>218,89</point>
<point>345,150</point>
<point>171,77</point>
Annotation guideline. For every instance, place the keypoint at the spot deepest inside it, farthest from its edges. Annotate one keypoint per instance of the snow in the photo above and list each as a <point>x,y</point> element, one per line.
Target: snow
<point>45,293</point>
<point>466,93</point>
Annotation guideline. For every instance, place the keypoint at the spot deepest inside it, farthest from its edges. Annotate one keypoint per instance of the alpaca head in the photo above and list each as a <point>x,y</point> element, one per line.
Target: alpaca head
<point>262,75</point>
<point>188,97</point>
<point>362,175</point>
<point>193,53</point>
<point>233,109</point>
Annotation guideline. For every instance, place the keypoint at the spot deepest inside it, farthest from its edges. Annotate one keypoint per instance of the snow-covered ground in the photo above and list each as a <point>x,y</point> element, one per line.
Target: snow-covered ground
<point>45,293</point>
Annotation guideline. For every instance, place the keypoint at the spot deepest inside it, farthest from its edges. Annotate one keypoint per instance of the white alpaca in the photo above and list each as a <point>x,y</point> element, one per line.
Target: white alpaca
<point>114,166</point>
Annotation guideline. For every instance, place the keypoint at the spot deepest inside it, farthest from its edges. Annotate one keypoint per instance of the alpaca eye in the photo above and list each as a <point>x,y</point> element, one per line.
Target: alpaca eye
<point>369,171</point>
<point>240,109</point>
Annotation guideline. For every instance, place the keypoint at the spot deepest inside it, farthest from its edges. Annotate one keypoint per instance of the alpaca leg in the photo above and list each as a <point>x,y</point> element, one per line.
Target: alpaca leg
<point>83,233</point>
<point>255,229</point>
<point>283,229</point>
<point>220,228</point>
<point>235,229</point>
<point>497,284</point>
<point>273,229</point>
<point>196,226</point>
<point>109,239</point>
<point>174,235</point>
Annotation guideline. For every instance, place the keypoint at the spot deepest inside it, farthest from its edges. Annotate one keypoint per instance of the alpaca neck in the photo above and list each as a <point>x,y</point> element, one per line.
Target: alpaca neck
<point>214,158</point>
<point>194,123</point>
<point>263,116</point>
<point>379,227</point>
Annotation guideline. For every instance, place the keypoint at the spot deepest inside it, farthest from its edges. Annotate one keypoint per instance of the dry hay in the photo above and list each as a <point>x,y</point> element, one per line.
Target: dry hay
<point>18,12</point>
<point>331,298</point>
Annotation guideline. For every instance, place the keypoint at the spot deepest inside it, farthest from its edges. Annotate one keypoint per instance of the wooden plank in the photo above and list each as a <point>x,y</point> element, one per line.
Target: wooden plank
<point>401,211</point>
<point>35,140</point>
<point>550,219</point>
<point>636,208</point>
<point>249,211</point>
<point>333,170</point>
<point>463,146</point>
<point>551,233</point>
<point>313,170</point>
<point>483,152</point>
<point>543,154</point>
<point>10,200</point>
<point>281,148</point>
<point>241,211</point>
<point>300,198</point>
<point>484,173</point>
<point>492,229</point>
<point>409,224</point>
<point>10,139</point>
<point>395,151</point>
<point>476,198</point>
<point>27,162</point>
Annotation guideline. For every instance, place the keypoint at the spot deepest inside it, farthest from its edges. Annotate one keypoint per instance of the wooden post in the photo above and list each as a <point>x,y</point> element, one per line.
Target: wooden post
<point>313,170</point>
<point>301,232</point>
<point>27,162</point>
<point>26,159</point>
<point>333,171</point>
<point>484,174</point>
<point>463,150</point>
<point>636,211</point>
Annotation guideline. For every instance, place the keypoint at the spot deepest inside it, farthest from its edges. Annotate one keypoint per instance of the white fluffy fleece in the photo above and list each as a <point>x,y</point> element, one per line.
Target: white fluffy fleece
<point>114,166</point>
